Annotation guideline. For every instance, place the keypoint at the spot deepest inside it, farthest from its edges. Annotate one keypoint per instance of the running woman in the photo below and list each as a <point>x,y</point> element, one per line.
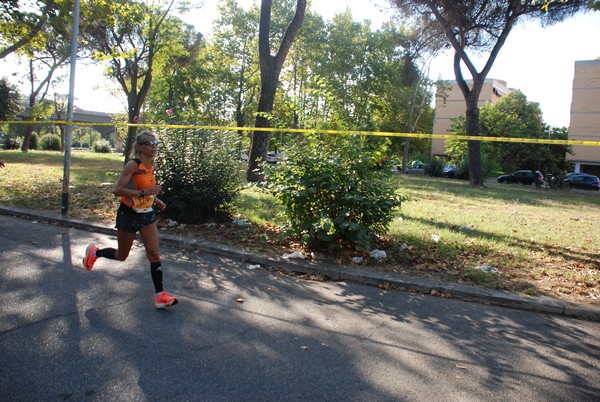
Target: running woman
<point>138,191</point>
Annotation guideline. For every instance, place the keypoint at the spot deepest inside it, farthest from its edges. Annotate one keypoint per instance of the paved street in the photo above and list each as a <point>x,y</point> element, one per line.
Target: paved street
<point>245,334</point>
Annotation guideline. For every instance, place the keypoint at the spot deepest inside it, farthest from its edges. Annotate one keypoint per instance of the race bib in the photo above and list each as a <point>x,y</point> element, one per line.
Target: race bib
<point>143,204</point>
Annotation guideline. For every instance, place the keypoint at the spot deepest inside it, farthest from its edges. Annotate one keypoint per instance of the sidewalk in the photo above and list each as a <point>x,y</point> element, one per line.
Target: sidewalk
<point>340,273</point>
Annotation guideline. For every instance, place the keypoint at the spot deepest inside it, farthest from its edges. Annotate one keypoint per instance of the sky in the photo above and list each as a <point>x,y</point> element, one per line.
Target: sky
<point>538,61</point>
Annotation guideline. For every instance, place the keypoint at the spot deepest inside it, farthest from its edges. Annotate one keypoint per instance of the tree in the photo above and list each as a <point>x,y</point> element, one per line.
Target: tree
<point>22,24</point>
<point>9,100</point>
<point>513,116</point>
<point>180,88</point>
<point>270,68</point>
<point>236,60</point>
<point>481,26</point>
<point>46,56</point>
<point>131,37</point>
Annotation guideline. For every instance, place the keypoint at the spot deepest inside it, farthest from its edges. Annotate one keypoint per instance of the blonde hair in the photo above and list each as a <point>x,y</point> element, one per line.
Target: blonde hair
<point>139,139</point>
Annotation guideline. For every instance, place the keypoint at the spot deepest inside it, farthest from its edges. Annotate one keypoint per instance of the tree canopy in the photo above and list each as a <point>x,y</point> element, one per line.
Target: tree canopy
<point>132,39</point>
<point>475,27</point>
<point>21,23</point>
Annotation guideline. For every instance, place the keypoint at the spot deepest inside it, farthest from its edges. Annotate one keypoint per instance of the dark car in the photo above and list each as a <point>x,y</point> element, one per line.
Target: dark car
<point>524,177</point>
<point>417,165</point>
<point>584,181</point>
<point>450,171</point>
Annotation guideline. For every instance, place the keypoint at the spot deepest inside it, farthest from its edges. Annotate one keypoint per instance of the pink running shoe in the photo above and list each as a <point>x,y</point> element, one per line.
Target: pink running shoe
<point>164,300</point>
<point>90,257</point>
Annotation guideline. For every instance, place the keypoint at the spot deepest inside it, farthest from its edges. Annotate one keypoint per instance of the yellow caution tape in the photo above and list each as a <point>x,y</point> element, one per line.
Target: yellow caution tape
<point>304,130</point>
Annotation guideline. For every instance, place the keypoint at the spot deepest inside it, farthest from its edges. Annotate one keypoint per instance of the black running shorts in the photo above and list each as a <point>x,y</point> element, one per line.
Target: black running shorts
<point>130,221</point>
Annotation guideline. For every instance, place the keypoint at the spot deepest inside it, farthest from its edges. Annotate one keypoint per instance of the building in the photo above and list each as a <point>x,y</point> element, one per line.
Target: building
<point>585,116</point>
<point>105,128</point>
<point>450,104</point>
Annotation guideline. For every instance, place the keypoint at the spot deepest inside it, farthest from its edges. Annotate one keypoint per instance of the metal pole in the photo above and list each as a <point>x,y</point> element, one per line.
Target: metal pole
<point>64,209</point>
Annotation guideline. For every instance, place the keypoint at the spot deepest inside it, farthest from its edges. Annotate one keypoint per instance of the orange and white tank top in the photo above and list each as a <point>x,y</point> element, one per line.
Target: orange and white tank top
<point>142,180</point>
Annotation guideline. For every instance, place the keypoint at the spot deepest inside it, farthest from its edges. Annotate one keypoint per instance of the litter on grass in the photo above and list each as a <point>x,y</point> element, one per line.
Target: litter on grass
<point>378,254</point>
<point>487,268</point>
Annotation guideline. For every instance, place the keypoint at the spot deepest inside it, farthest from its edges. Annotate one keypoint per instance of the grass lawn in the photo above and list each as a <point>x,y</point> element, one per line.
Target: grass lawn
<point>535,241</point>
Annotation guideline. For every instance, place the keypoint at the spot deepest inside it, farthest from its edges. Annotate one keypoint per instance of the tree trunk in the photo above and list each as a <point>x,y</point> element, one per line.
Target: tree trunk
<point>472,122</point>
<point>404,168</point>
<point>270,67</point>
<point>260,139</point>
<point>27,139</point>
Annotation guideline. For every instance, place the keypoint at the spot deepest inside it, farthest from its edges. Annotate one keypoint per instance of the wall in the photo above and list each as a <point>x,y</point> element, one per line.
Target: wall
<point>585,116</point>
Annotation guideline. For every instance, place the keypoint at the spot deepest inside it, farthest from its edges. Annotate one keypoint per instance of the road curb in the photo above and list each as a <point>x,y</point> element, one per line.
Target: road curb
<point>335,272</point>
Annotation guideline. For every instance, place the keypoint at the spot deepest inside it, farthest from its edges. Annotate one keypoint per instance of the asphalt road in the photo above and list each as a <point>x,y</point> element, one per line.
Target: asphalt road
<point>241,333</point>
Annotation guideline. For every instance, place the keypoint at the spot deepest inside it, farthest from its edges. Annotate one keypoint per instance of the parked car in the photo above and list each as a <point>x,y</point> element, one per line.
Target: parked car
<point>583,181</point>
<point>527,177</point>
<point>450,171</point>
<point>417,165</point>
<point>571,174</point>
<point>272,157</point>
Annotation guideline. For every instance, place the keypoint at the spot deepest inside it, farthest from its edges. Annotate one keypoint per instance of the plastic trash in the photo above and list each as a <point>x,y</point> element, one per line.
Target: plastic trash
<point>435,238</point>
<point>243,223</point>
<point>378,254</point>
<point>295,254</point>
<point>487,268</point>
<point>357,260</point>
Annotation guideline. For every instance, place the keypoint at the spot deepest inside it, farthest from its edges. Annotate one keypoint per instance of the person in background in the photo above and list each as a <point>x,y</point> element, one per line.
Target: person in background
<point>138,191</point>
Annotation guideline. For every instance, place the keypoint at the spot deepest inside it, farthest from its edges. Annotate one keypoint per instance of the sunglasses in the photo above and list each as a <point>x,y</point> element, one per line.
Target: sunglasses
<point>149,142</point>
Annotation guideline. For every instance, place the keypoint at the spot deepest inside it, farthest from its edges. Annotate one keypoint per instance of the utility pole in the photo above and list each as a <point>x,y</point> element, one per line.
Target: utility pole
<point>64,209</point>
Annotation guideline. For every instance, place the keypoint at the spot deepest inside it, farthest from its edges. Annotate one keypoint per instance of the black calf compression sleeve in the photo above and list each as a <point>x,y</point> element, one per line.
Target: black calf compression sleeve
<point>157,276</point>
<point>108,252</point>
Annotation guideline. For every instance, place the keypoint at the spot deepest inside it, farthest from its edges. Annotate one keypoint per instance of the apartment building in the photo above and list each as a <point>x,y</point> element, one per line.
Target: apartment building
<point>585,116</point>
<point>450,104</point>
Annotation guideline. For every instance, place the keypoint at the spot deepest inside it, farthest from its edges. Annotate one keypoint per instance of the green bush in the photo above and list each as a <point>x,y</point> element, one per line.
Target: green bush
<point>435,168</point>
<point>199,172</point>
<point>85,145</point>
<point>33,142</point>
<point>13,143</point>
<point>333,196</point>
<point>489,168</point>
<point>50,142</point>
<point>102,147</point>
<point>75,144</point>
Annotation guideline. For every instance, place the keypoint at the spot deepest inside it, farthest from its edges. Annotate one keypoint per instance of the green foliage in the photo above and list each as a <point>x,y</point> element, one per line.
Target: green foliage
<point>50,142</point>
<point>462,170</point>
<point>199,172</point>
<point>334,197</point>
<point>489,167</point>
<point>512,116</point>
<point>13,142</point>
<point>9,100</point>
<point>435,168</point>
<point>555,162</point>
<point>34,141</point>
<point>102,147</point>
